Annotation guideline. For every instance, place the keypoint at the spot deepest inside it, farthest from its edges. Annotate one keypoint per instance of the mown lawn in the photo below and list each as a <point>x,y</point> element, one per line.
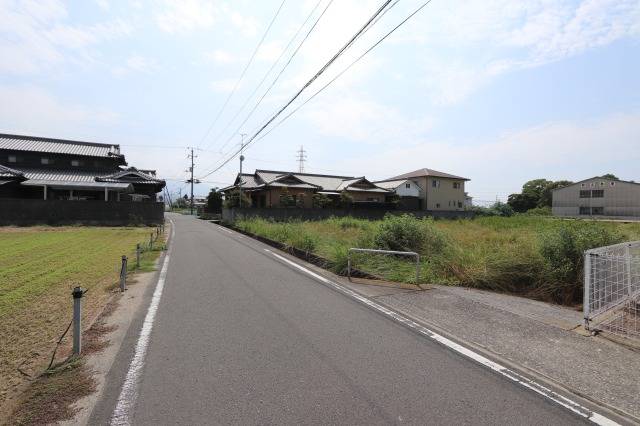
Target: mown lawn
<point>39,267</point>
<point>534,256</point>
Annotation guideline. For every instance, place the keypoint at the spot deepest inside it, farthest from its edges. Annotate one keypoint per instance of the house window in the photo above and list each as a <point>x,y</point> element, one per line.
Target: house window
<point>456,185</point>
<point>435,184</point>
<point>613,184</point>
<point>582,185</point>
<point>601,183</point>
<point>585,210</point>
<point>438,206</point>
<point>597,210</point>
<point>407,185</point>
<point>585,194</point>
<point>459,204</point>
<point>597,193</point>
<point>372,199</point>
<point>13,159</point>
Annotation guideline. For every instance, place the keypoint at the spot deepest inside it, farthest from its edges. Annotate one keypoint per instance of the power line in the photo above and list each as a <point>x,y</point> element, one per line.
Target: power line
<point>308,83</point>
<point>275,80</point>
<point>244,71</point>
<point>358,36</point>
<point>345,69</point>
<point>264,78</point>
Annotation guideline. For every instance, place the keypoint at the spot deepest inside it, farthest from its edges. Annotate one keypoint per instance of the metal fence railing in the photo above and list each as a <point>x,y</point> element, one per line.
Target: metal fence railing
<point>612,289</point>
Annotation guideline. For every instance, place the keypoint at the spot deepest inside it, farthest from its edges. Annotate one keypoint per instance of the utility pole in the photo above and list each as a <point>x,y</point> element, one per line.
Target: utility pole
<point>242,135</point>
<point>302,157</point>
<point>191,180</point>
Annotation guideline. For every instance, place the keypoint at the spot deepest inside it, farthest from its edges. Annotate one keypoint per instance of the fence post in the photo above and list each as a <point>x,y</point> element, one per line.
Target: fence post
<point>349,264</point>
<point>587,288</point>
<point>123,274</point>
<point>151,242</point>
<point>77,320</point>
<point>627,276</point>
<point>417,269</point>
<point>138,256</point>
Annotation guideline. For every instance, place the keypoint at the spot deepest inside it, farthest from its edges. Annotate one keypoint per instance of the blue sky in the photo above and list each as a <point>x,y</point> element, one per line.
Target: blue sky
<point>498,91</point>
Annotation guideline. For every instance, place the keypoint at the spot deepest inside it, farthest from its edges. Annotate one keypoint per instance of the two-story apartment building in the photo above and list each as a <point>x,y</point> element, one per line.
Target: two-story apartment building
<point>598,197</point>
<point>437,191</point>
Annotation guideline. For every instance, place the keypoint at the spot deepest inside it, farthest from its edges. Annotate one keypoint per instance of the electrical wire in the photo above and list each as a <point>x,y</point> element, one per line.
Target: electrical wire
<point>308,83</point>
<point>264,78</point>
<point>345,70</point>
<point>244,71</point>
<point>275,80</point>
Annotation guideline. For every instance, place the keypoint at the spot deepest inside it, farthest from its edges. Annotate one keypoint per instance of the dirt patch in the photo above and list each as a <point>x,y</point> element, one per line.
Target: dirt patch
<point>93,340</point>
<point>50,397</point>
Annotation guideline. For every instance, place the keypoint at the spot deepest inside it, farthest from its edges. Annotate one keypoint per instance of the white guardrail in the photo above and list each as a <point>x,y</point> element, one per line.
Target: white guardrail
<point>398,253</point>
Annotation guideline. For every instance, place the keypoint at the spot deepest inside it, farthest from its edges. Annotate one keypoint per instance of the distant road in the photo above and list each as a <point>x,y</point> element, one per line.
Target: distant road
<point>242,338</point>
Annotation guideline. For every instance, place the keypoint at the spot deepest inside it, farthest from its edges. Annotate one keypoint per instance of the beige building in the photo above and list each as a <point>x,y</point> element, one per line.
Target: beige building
<point>437,191</point>
<point>598,197</point>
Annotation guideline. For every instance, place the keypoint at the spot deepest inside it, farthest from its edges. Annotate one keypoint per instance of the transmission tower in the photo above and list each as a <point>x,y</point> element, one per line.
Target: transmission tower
<point>302,157</point>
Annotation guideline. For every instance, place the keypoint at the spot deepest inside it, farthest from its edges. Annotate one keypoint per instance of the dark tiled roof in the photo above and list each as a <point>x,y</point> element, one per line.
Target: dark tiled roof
<point>7,172</point>
<point>130,175</point>
<point>83,176</point>
<point>58,146</point>
<point>426,172</point>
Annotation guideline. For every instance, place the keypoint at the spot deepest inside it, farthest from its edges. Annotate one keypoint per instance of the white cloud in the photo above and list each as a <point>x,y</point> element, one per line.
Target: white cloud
<point>135,63</point>
<point>32,110</point>
<point>34,36</point>
<point>556,150</point>
<point>223,86</point>
<point>247,25</point>
<point>221,56</point>
<point>469,44</point>
<point>181,16</point>
<point>362,120</point>
<point>103,4</point>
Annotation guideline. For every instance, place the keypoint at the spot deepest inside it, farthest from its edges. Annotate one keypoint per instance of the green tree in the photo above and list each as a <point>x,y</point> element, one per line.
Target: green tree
<point>320,200</point>
<point>610,176</point>
<point>286,199</point>
<point>345,199</point>
<point>522,202</point>
<point>232,199</point>
<point>547,194</point>
<point>214,201</point>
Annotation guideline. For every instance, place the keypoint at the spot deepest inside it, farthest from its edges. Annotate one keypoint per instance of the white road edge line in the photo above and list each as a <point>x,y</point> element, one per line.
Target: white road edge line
<point>504,371</point>
<point>126,400</point>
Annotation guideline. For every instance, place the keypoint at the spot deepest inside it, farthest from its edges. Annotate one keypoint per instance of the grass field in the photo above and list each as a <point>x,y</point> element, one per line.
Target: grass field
<point>538,257</point>
<point>39,266</point>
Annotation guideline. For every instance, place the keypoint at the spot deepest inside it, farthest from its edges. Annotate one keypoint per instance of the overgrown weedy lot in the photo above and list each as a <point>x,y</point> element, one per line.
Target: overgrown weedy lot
<point>39,266</point>
<point>538,257</point>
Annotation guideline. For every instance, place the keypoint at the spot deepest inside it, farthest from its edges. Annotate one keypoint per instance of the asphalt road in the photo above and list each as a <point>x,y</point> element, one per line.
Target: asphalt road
<point>243,338</point>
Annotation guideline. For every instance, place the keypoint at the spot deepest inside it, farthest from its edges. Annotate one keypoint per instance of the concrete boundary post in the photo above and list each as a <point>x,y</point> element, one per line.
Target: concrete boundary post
<point>77,320</point>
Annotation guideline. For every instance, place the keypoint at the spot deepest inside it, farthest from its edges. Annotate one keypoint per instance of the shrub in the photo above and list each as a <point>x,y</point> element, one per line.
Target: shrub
<point>320,201</point>
<point>497,209</point>
<point>339,259</point>
<point>539,211</point>
<point>305,242</point>
<point>406,233</point>
<point>563,249</point>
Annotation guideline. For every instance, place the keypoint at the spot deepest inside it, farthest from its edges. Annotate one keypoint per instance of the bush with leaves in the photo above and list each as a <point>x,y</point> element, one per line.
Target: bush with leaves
<point>320,201</point>
<point>563,250</point>
<point>407,233</point>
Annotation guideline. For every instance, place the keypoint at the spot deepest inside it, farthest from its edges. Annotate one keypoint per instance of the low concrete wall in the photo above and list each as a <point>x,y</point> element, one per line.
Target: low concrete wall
<point>281,215</point>
<point>22,212</point>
